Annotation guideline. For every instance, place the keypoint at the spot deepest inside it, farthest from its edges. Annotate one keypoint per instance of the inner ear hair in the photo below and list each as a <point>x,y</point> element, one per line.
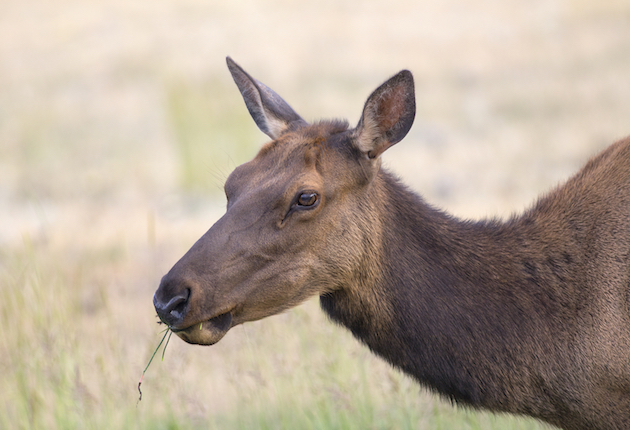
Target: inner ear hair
<point>387,115</point>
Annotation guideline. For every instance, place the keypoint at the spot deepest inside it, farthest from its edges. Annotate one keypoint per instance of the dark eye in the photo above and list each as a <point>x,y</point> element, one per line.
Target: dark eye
<point>307,199</point>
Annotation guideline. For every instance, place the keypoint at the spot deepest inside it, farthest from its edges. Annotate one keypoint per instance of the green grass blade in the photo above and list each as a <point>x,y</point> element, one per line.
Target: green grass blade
<point>167,332</point>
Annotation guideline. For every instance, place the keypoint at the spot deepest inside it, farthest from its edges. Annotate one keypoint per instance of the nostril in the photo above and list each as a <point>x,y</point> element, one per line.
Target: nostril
<point>177,305</point>
<point>173,311</point>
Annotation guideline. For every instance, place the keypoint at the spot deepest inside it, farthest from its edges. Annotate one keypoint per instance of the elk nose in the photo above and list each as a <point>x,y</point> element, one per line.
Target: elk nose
<point>171,308</point>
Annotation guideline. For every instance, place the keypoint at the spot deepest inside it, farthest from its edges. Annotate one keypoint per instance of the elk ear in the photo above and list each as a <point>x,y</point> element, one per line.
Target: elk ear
<point>271,113</point>
<point>387,115</point>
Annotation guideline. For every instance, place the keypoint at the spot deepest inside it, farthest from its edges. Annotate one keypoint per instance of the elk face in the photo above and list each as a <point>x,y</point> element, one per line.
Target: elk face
<point>298,215</point>
<point>263,255</point>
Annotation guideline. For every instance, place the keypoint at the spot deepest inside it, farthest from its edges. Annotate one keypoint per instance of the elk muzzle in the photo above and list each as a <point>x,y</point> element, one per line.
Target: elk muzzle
<point>172,302</point>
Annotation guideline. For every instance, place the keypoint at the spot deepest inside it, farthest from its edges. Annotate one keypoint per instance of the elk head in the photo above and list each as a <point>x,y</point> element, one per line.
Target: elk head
<point>300,216</point>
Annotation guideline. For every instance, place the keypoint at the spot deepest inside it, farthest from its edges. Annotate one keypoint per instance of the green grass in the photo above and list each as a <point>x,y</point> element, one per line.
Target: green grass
<point>37,352</point>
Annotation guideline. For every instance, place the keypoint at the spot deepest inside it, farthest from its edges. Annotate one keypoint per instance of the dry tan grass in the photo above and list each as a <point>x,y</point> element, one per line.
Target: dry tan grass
<point>512,97</point>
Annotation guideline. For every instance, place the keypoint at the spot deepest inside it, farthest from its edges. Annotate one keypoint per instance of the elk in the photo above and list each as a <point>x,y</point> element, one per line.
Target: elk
<point>529,315</point>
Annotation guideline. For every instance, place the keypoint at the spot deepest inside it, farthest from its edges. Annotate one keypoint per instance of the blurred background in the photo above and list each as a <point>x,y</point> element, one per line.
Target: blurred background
<point>119,123</point>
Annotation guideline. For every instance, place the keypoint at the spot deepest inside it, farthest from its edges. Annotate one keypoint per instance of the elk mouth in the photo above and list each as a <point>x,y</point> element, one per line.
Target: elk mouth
<point>206,332</point>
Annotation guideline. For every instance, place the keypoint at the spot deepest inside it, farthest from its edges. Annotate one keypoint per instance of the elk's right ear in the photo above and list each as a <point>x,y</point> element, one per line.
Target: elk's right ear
<point>271,113</point>
<point>387,115</point>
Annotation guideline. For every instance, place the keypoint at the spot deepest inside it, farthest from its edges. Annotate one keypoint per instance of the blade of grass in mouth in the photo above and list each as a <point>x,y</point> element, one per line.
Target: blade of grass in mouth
<point>167,332</point>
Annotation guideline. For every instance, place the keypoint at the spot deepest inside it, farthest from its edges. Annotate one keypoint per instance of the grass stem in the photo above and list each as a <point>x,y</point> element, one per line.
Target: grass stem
<point>167,332</point>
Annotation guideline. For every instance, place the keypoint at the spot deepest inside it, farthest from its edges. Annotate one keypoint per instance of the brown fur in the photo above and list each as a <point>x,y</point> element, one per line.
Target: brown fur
<point>529,316</point>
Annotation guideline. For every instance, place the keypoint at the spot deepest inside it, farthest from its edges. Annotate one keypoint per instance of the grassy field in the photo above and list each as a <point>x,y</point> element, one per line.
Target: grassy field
<point>119,123</point>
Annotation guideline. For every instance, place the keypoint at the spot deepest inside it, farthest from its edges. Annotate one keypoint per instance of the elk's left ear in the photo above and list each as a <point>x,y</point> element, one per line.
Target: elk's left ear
<point>387,115</point>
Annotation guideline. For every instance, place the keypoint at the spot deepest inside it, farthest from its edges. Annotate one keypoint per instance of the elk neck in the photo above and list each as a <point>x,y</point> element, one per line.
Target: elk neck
<point>465,307</point>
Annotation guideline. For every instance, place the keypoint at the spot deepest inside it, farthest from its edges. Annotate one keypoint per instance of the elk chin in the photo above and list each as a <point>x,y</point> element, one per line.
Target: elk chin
<point>207,332</point>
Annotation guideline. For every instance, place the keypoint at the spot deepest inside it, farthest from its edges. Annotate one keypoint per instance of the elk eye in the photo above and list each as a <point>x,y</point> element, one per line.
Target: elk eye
<point>307,199</point>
